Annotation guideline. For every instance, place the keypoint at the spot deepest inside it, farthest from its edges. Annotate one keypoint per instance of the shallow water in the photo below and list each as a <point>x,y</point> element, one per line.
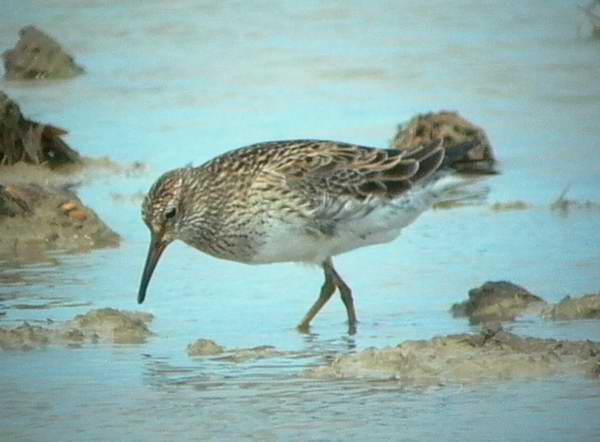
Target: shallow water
<point>170,83</point>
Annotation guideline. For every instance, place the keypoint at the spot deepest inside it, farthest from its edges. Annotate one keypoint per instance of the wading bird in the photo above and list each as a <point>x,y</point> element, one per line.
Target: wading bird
<point>300,201</point>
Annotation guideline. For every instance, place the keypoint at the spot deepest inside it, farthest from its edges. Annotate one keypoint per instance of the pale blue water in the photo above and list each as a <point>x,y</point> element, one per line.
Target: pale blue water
<point>170,83</point>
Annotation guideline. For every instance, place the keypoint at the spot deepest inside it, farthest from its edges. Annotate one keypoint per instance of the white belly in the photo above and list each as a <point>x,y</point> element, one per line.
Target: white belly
<point>292,242</point>
<point>286,241</point>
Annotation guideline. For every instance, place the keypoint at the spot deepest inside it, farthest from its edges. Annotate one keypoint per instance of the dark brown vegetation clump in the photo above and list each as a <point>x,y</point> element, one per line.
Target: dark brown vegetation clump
<point>454,131</point>
<point>27,141</point>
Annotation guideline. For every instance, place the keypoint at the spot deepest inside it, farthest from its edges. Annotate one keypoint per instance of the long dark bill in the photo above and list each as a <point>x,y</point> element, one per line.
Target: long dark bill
<point>157,246</point>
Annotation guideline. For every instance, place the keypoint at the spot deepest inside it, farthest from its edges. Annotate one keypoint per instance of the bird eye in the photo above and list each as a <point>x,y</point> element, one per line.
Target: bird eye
<point>171,213</point>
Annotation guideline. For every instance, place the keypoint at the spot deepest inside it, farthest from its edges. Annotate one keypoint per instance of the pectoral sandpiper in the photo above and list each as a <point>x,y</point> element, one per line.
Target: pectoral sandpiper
<point>300,200</point>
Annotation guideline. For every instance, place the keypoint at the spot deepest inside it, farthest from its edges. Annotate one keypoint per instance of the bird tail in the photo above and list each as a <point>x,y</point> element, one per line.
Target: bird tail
<point>457,153</point>
<point>451,190</point>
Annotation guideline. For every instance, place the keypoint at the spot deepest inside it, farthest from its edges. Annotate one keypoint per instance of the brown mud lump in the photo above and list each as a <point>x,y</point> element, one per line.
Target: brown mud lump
<point>497,301</point>
<point>584,307</point>
<point>23,337</point>
<point>204,347</point>
<point>32,216</point>
<point>114,325</point>
<point>98,325</point>
<point>38,56</point>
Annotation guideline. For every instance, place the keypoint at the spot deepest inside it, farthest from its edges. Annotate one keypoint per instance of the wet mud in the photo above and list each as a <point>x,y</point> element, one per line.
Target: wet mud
<point>565,206</point>
<point>562,206</point>
<point>37,56</point>
<point>105,325</point>
<point>466,359</point>
<point>584,307</point>
<point>206,347</point>
<point>42,218</point>
<point>502,301</point>
<point>510,206</point>
<point>39,207</point>
<point>497,301</point>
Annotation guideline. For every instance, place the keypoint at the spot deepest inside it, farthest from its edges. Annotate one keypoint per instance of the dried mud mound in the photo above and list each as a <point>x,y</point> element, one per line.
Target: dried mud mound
<point>455,132</point>
<point>27,141</point>
<point>497,301</point>
<point>32,216</point>
<point>466,359</point>
<point>585,307</point>
<point>100,325</point>
<point>38,56</point>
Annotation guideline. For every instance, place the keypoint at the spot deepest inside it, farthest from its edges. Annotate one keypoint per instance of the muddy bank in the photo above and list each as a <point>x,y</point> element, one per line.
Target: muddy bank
<point>454,131</point>
<point>98,325</point>
<point>466,359</point>
<point>34,217</point>
<point>584,307</point>
<point>206,347</point>
<point>497,301</point>
<point>37,56</point>
<point>39,210</point>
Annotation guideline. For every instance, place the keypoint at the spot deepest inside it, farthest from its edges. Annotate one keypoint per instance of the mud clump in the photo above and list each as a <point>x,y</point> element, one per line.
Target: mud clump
<point>32,216</point>
<point>497,301</point>
<point>466,359</point>
<point>27,141</point>
<point>24,337</point>
<point>101,325</point>
<point>455,132</point>
<point>585,307</point>
<point>250,354</point>
<point>114,325</point>
<point>38,56</point>
<point>204,347</point>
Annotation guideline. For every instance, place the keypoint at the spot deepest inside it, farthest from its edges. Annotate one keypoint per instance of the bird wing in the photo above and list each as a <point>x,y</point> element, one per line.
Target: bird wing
<point>341,181</point>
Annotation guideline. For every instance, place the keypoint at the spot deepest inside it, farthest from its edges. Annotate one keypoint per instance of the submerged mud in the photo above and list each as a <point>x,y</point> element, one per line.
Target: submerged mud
<point>98,325</point>
<point>466,359</point>
<point>206,347</point>
<point>510,206</point>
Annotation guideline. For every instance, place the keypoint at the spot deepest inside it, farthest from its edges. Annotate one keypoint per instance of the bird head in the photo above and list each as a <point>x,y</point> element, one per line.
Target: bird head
<point>161,211</point>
